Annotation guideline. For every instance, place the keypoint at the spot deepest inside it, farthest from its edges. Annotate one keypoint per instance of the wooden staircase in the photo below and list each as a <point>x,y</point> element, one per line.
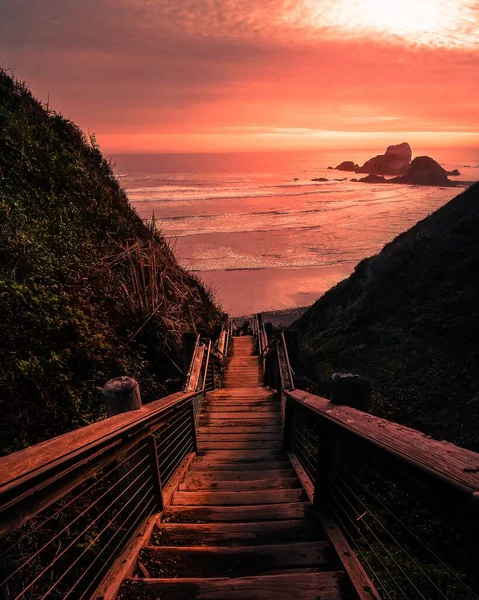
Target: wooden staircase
<point>239,525</point>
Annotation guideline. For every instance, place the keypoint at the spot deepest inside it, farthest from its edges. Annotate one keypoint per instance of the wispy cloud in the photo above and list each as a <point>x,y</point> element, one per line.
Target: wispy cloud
<point>183,67</point>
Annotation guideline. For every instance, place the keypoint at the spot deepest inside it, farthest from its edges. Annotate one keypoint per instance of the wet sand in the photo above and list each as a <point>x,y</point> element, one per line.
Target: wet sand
<point>256,290</point>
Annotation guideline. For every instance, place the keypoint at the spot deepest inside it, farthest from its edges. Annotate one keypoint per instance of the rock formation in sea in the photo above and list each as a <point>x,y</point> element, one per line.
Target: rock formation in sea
<point>454,173</point>
<point>347,165</point>
<point>319,179</point>
<point>424,170</point>
<point>395,161</point>
<point>374,179</point>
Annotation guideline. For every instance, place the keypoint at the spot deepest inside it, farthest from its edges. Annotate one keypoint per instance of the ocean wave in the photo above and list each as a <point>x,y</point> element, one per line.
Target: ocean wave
<point>273,212</point>
<point>227,194</point>
<point>272,229</point>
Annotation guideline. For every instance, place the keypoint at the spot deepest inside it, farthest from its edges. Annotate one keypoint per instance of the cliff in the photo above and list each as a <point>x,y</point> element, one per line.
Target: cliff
<point>409,318</point>
<point>87,290</point>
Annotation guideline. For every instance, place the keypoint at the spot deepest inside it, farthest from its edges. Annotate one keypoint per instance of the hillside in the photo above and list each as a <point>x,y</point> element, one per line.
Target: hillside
<point>87,290</point>
<point>409,317</point>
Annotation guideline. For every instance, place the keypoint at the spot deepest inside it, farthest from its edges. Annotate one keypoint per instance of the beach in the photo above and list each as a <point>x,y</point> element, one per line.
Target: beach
<point>257,221</point>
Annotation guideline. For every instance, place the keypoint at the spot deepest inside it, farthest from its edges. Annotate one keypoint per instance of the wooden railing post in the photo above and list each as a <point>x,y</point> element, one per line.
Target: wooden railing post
<point>121,395</point>
<point>288,423</point>
<point>329,457</point>
<point>350,389</point>
<point>189,342</point>
<point>193,425</point>
<point>292,338</point>
<point>155,471</point>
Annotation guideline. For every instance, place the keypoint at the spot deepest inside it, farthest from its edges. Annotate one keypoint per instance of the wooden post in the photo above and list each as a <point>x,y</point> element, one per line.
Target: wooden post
<point>189,342</point>
<point>268,327</point>
<point>121,395</point>
<point>193,425</point>
<point>155,470</point>
<point>291,337</point>
<point>329,457</point>
<point>288,423</point>
<point>352,390</point>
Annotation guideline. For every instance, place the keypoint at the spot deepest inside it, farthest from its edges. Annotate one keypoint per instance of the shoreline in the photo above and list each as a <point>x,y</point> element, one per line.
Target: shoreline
<point>272,289</point>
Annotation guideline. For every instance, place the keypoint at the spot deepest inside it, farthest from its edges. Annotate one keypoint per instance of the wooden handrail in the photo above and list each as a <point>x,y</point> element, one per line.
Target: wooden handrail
<point>192,363</point>
<point>453,466</point>
<point>25,464</point>
<point>288,365</point>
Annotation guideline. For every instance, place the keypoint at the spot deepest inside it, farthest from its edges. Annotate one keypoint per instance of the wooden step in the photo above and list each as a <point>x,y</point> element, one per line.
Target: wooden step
<point>205,475</point>
<point>239,445</point>
<point>218,456</point>
<point>198,483</point>
<point>231,534</point>
<point>239,419</point>
<point>239,405</point>
<point>212,514</point>
<point>239,437</point>
<point>211,561</point>
<point>300,585</point>
<point>241,413</point>
<point>257,418</point>
<point>241,498</point>
<point>227,429</point>
<point>202,463</point>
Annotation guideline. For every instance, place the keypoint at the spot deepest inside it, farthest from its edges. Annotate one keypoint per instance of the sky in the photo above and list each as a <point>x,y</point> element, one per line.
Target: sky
<point>225,75</point>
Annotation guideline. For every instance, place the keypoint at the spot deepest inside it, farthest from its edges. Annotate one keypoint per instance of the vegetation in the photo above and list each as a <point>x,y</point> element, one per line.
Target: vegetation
<point>87,290</point>
<point>409,318</point>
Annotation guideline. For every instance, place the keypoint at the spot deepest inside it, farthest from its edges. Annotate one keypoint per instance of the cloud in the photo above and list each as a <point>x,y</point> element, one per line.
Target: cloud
<point>157,67</point>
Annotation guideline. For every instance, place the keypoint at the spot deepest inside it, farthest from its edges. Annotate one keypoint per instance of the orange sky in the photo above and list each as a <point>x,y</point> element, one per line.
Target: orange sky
<point>205,75</point>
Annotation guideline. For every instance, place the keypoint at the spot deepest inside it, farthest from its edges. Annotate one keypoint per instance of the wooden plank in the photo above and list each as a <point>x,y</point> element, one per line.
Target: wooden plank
<point>124,565</point>
<point>228,429</point>
<point>210,561</point>
<point>270,415</point>
<point>247,422</point>
<point>239,437</point>
<point>240,456</point>
<point>452,465</point>
<point>303,477</point>
<point>202,463</point>
<point>211,514</point>
<point>360,580</point>
<point>240,445</point>
<point>240,475</point>
<point>293,586</point>
<point>230,534</point>
<point>240,406</point>
<point>258,414</point>
<point>197,483</point>
<point>241,498</point>
<point>196,369</point>
<point>17,467</point>
<point>256,391</point>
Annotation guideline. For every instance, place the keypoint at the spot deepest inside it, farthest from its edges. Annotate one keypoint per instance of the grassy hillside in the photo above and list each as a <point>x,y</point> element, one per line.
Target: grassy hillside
<point>87,290</point>
<point>409,317</point>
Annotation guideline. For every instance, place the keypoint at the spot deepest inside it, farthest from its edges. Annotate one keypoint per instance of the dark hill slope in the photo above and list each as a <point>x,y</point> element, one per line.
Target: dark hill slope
<point>87,291</point>
<point>409,317</point>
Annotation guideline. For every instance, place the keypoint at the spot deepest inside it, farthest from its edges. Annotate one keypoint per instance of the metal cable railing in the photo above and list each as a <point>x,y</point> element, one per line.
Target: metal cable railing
<point>61,552</point>
<point>406,505</point>
<point>67,514</point>
<point>407,548</point>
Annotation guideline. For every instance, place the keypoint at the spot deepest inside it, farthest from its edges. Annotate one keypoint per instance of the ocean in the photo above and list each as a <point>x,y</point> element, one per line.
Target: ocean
<point>263,241</point>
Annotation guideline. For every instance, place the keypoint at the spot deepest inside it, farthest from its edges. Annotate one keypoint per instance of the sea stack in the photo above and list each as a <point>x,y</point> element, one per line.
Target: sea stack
<point>395,161</point>
<point>424,170</point>
<point>347,165</point>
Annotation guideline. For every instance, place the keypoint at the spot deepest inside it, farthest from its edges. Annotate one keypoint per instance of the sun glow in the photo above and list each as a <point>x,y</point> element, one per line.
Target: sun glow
<point>453,23</point>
